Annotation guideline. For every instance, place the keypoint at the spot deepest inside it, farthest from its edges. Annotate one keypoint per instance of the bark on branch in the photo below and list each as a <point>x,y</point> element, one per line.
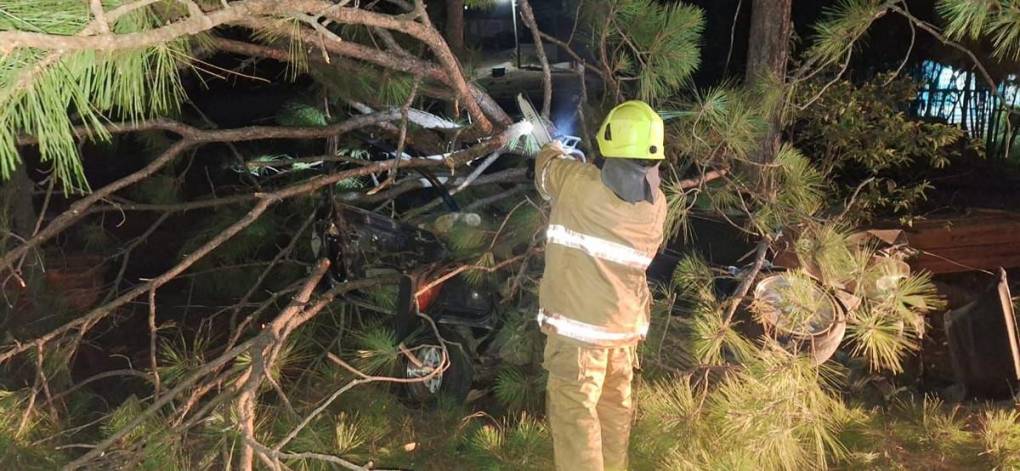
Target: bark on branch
<point>529,19</point>
<point>262,12</point>
<point>371,55</point>
<point>420,30</point>
<point>11,40</point>
<point>265,355</point>
<point>207,368</point>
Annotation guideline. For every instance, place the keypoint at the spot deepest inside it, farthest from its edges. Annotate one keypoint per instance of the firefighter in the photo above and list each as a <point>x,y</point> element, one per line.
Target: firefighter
<point>604,228</point>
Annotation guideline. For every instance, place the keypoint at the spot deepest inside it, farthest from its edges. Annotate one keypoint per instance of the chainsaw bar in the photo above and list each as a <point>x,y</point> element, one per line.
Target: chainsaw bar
<point>539,126</point>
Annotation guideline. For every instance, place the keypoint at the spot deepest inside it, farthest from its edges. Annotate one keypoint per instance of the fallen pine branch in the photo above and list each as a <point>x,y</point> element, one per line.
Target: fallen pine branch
<point>191,137</point>
<point>265,200</point>
<point>214,365</point>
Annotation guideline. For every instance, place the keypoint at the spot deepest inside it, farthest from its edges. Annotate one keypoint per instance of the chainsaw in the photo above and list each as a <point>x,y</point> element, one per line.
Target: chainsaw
<point>544,132</point>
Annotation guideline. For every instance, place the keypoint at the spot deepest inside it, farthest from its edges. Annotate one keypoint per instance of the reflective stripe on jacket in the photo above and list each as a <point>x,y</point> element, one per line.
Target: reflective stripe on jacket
<point>594,289</point>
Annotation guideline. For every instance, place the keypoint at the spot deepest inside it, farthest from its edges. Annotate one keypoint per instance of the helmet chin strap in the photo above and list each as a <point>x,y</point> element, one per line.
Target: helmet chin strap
<point>630,180</point>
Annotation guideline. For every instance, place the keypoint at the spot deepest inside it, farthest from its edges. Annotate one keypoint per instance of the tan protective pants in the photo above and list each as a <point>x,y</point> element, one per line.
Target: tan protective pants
<point>590,405</point>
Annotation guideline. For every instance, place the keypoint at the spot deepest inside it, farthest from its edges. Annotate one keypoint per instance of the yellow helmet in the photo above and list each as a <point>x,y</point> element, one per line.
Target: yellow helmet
<point>632,130</point>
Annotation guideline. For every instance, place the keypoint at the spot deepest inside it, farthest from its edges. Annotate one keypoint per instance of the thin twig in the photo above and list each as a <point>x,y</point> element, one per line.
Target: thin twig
<point>401,138</point>
<point>733,34</point>
<point>839,75</point>
<point>152,341</point>
<point>464,268</point>
<point>931,29</point>
<point>853,197</point>
<point>192,137</point>
<point>910,48</point>
<point>29,408</point>
<point>46,205</point>
<point>272,264</point>
<point>577,57</point>
<point>125,254</point>
<point>502,225</point>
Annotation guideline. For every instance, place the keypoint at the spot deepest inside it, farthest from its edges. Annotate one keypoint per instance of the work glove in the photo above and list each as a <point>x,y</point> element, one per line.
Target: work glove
<point>572,154</point>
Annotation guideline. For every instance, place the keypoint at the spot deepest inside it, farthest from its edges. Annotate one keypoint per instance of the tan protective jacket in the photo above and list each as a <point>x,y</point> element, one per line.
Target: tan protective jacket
<point>598,246</point>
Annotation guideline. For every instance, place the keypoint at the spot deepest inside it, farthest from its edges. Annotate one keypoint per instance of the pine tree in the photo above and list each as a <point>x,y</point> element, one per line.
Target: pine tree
<point>715,397</point>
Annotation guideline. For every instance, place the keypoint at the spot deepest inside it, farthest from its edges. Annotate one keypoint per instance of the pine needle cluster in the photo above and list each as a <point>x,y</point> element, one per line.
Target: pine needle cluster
<point>520,388</point>
<point>655,45</point>
<point>710,339</point>
<point>46,93</point>
<point>841,27</point>
<point>775,412</point>
<point>20,429</point>
<point>302,114</point>
<point>722,128</point>
<point>797,192</point>
<point>378,350</point>
<point>715,126</point>
<point>999,22</point>
<point>521,443</point>
<point>890,319</point>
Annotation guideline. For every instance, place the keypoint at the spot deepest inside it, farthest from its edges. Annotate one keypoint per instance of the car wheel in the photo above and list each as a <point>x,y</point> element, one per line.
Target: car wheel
<point>452,384</point>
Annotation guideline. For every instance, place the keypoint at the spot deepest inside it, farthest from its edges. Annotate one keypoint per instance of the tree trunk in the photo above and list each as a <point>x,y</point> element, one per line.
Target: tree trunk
<point>16,202</point>
<point>18,195</point>
<point>455,26</point>
<point>767,56</point>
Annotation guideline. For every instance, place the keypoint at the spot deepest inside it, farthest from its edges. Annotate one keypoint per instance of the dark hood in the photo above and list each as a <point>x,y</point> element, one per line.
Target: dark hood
<point>630,180</point>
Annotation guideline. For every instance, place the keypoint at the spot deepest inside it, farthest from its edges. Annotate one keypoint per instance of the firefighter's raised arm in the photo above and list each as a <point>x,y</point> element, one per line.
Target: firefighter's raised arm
<point>553,167</point>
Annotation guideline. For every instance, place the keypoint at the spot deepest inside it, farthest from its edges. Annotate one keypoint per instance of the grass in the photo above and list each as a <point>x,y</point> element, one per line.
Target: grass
<point>682,427</point>
<point>671,433</point>
<point>773,415</point>
<point>925,433</point>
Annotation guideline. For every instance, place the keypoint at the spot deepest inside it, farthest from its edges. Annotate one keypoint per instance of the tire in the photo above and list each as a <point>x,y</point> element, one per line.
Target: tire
<point>453,384</point>
<point>819,344</point>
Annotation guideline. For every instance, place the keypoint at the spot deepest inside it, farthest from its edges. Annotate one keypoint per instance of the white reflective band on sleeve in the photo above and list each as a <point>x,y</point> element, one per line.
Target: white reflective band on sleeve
<point>541,181</point>
<point>545,170</point>
<point>588,333</point>
<point>596,247</point>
